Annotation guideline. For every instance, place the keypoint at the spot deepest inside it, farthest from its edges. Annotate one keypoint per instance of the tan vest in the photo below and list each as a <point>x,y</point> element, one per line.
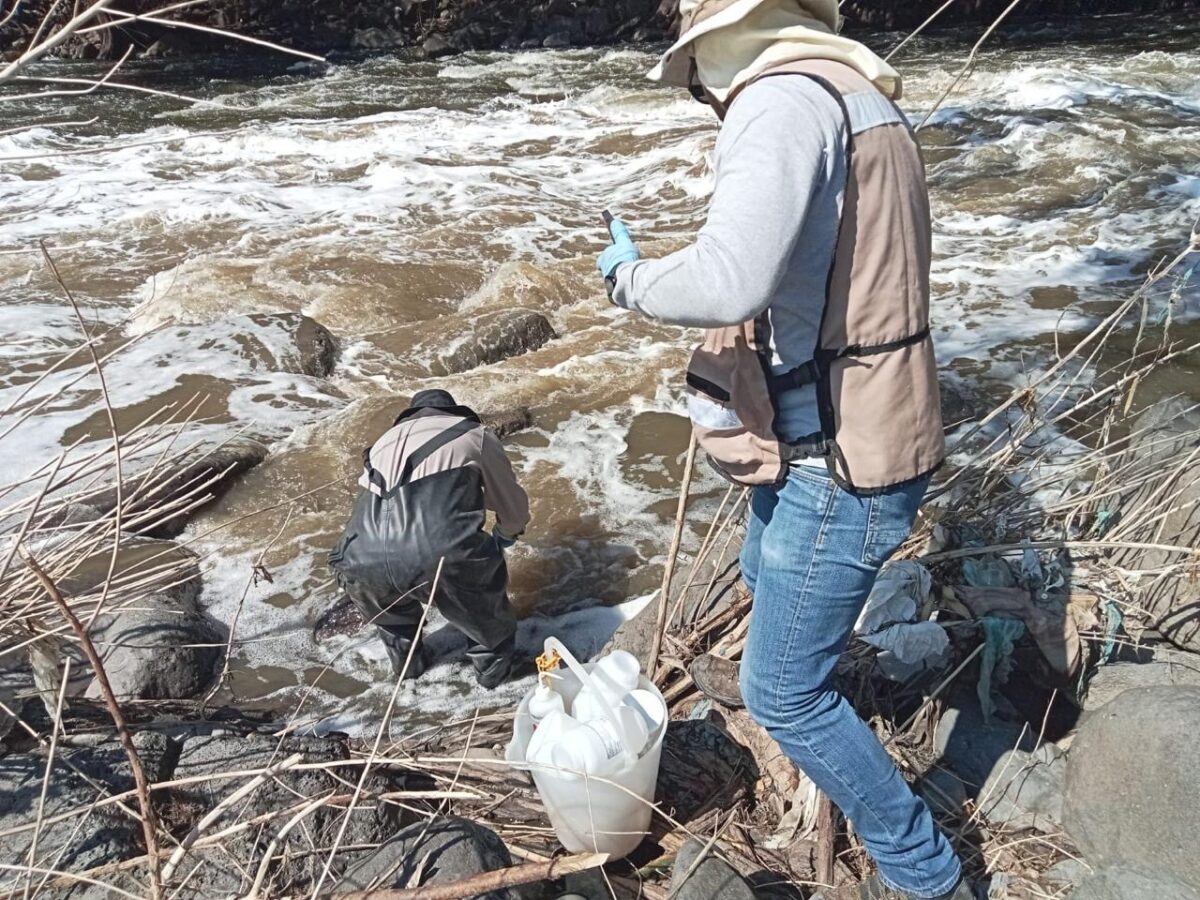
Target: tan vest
<point>874,368</point>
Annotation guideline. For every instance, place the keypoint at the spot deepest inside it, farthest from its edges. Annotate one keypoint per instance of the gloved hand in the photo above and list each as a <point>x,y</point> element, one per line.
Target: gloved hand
<point>622,250</point>
<point>502,541</point>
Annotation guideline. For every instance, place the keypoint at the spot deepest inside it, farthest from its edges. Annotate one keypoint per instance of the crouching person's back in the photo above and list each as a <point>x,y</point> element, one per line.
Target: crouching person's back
<point>426,486</point>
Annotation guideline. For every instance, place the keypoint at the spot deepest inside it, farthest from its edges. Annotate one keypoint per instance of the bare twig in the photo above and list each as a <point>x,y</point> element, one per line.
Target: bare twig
<point>485,882</point>
<point>149,819</point>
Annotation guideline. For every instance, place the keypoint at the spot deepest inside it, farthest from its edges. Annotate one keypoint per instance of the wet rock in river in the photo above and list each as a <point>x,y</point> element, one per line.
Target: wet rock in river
<point>436,47</point>
<point>492,337</point>
<point>505,422</point>
<point>160,502</point>
<point>1133,783</point>
<point>297,343</point>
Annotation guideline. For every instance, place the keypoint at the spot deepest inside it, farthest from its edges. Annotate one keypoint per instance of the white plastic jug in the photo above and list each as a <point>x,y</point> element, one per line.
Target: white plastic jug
<point>605,813</point>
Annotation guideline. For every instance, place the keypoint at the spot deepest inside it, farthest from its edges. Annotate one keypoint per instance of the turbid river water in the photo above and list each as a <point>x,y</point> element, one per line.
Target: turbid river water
<point>396,201</point>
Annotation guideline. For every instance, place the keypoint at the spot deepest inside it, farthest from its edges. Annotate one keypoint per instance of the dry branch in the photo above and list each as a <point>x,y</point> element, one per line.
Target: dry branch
<point>148,818</point>
<point>484,882</point>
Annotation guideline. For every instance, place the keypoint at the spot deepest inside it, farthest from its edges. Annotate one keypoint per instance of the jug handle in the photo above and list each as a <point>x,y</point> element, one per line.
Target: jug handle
<point>552,644</point>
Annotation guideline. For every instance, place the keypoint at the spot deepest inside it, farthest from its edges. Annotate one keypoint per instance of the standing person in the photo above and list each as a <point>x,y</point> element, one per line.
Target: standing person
<point>816,382</point>
<point>426,485</point>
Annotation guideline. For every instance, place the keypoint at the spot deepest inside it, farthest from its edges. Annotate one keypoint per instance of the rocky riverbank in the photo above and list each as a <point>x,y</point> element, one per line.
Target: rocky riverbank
<point>443,27</point>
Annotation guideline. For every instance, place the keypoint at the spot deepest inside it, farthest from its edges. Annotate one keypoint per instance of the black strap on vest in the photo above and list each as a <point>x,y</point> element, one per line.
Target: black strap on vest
<point>418,456</point>
<point>812,371</point>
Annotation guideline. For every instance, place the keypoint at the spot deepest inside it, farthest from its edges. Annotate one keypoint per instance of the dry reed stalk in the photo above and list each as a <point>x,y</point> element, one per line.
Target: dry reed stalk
<point>664,594</point>
<point>41,811</point>
<point>383,728</point>
<point>148,818</point>
<point>969,64</point>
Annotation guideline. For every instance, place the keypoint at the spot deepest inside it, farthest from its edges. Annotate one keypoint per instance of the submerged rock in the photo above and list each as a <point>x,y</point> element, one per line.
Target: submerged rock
<point>1133,783</point>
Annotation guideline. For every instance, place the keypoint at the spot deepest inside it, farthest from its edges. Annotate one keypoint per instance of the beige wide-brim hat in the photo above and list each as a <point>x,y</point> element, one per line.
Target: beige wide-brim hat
<point>701,17</point>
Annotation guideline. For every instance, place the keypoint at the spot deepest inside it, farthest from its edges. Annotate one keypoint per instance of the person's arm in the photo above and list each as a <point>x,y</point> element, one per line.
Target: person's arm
<point>501,492</point>
<point>776,145</point>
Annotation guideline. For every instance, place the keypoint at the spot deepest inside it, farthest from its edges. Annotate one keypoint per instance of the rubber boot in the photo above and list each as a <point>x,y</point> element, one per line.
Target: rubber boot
<point>398,641</point>
<point>493,667</point>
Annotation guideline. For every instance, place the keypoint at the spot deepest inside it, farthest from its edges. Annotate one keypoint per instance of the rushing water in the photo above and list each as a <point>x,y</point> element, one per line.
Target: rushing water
<point>396,200</point>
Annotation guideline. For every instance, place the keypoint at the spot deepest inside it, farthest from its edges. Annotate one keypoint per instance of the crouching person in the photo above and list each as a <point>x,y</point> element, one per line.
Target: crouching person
<point>426,486</point>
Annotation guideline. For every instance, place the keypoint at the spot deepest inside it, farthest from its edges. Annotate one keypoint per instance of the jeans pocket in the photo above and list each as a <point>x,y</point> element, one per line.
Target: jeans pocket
<point>889,524</point>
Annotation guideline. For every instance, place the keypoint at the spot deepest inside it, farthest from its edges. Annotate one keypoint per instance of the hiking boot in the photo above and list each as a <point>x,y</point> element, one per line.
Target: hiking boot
<point>874,889</point>
<point>717,679</point>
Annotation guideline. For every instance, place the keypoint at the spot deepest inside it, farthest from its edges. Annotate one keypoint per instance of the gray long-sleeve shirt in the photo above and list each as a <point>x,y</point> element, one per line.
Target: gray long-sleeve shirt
<point>780,166</point>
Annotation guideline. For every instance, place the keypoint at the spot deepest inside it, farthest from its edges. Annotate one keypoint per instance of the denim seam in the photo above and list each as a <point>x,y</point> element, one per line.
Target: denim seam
<point>870,531</point>
<point>792,631</point>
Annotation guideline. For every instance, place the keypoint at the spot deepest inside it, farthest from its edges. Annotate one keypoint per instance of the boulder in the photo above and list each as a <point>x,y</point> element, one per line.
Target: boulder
<point>372,822</point>
<point>559,40</point>
<point>432,853</point>
<point>1025,790</point>
<point>971,747</point>
<point>297,343</point>
<point>160,647</point>
<point>945,793</point>
<point>1114,679</point>
<point>161,496</point>
<point>1168,433</point>
<point>1133,783</point>
<point>710,879</point>
<point>89,839</point>
<point>1132,884</point>
<point>436,47</point>
<point>492,337</point>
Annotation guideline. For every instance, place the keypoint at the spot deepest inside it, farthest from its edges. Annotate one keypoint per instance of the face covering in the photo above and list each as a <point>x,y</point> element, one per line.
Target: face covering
<point>780,31</point>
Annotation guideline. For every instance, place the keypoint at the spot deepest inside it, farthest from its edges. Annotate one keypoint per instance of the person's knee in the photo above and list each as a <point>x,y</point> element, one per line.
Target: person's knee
<point>777,699</point>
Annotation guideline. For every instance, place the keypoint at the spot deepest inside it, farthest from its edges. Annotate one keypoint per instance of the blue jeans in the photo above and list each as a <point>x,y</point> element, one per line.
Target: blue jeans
<point>811,555</point>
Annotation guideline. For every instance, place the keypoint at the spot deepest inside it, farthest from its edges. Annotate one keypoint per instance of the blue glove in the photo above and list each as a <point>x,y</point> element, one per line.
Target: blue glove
<point>501,541</point>
<point>622,250</point>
